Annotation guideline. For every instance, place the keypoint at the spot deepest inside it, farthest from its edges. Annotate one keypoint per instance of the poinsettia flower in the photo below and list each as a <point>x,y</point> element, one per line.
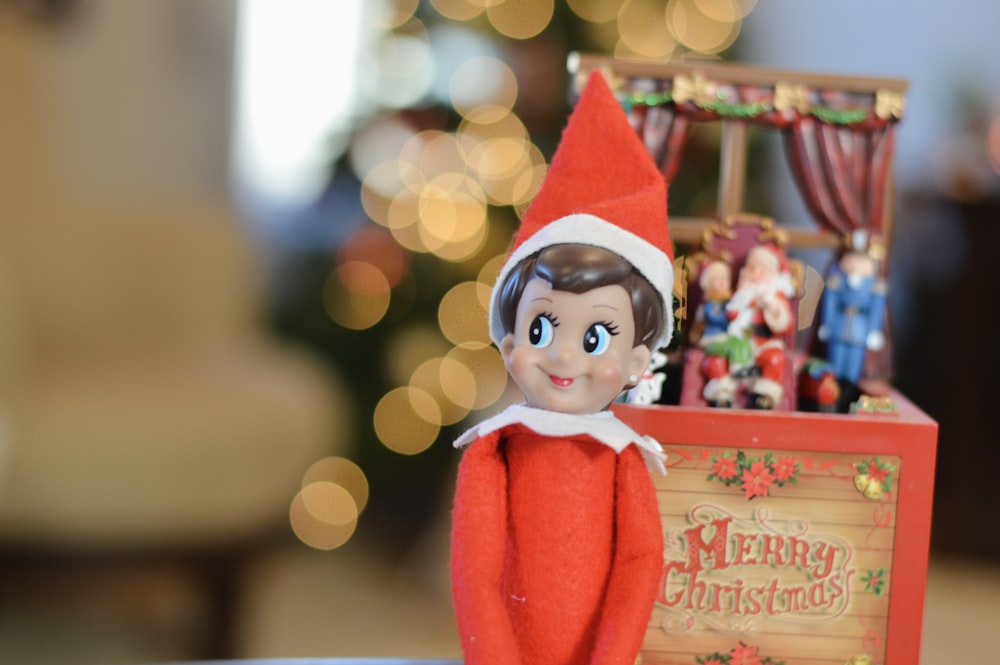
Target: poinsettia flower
<point>874,581</point>
<point>744,654</point>
<point>756,480</point>
<point>785,468</point>
<point>724,468</point>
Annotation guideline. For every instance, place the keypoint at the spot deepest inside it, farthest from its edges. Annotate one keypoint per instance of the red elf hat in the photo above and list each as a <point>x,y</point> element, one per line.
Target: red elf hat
<point>602,189</point>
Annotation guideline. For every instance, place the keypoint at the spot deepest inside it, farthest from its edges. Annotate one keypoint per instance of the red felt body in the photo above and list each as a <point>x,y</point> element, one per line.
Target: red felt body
<point>556,550</point>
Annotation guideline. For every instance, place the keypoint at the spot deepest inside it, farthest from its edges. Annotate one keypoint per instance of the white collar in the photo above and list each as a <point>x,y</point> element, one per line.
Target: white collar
<point>604,427</point>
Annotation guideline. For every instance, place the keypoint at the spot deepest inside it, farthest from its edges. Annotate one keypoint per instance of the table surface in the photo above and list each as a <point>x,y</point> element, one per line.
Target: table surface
<point>320,661</point>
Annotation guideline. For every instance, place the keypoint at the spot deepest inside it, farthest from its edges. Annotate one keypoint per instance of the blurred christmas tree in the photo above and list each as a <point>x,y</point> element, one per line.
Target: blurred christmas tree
<point>463,101</point>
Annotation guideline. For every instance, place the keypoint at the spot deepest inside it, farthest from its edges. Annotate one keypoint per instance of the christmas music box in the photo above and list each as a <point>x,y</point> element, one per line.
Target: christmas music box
<point>796,510</point>
<point>790,537</point>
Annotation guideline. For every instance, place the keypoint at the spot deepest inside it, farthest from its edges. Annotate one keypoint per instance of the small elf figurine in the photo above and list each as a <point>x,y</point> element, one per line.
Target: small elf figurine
<point>557,545</point>
<point>711,317</point>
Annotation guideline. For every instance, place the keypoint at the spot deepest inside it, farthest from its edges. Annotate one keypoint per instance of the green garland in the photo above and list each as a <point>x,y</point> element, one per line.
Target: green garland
<point>749,110</point>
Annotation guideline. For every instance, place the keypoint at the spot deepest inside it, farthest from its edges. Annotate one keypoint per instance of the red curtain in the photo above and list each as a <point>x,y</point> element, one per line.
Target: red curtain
<point>664,132</point>
<point>838,146</point>
<point>841,172</point>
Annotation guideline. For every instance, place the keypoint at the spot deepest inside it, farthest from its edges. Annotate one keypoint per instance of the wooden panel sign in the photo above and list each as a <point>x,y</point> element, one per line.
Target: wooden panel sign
<point>761,547</point>
<point>790,538</point>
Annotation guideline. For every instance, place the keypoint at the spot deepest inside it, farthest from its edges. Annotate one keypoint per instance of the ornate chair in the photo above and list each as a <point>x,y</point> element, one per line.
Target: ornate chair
<point>730,240</point>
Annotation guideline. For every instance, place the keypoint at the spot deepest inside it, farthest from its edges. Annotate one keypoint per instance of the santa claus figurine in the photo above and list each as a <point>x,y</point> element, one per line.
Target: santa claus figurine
<point>760,312</point>
<point>557,544</point>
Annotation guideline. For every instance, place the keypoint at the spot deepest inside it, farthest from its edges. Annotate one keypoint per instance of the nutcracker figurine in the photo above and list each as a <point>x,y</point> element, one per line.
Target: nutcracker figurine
<point>853,313</point>
<point>557,545</point>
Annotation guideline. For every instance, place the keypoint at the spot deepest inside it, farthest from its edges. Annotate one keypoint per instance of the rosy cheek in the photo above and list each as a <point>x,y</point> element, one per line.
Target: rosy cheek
<point>610,374</point>
<point>519,362</point>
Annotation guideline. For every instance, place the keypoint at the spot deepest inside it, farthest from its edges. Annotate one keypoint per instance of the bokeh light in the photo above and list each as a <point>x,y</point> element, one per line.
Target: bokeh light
<point>469,238</point>
<point>643,30</point>
<point>483,82</point>
<point>452,209</point>
<point>356,295</point>
<point>461,315</point>
<point>376,247</point>
<point>707,33</point>
<point>595,11</point>
<point>381,140</point>
<point>458,383</point>
<point>407,420</point>
<point>487,277</point>
<point>485,363</point>
<point>433,153</point>
<point>458,10</point>
<point>450,384</point>
<point>392,14</point>
<point>409,347</point>
<point>383,184</point>
<point>403,215</point>
<point>323,515</point>
<point>400,72</point>
<point>519,19</point>
<point>343,472</point>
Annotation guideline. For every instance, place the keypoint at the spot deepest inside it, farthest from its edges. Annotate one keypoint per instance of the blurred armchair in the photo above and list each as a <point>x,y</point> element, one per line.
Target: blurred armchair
<point>145,408</point>
<point>144,403</point>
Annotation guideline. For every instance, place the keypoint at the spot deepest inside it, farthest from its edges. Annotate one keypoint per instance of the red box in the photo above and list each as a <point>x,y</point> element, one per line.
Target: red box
<point>790,537</point>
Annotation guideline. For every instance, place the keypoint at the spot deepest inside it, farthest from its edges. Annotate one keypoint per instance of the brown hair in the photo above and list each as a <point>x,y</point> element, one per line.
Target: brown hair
<point>578,269</point>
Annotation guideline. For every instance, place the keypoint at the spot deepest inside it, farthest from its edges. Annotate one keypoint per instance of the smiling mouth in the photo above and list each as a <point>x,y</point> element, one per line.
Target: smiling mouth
<point>561,381</point>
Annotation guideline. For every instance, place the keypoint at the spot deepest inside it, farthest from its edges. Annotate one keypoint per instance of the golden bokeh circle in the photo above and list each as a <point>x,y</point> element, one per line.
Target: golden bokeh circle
<point>430,377</point>
<point>460,315</point>
<point>458,383</point>
<point>433,152</point>
<point>644,30</point>
<point>356,295</point>
<point>409,347</point>
<point>520,19</point>
<point>323,515</point>
<point>595,11</point>
<point>458,10</point>
<point>343,472</point>
<point>486,365</point>
<point>701,32</point>
<point>407,420</point>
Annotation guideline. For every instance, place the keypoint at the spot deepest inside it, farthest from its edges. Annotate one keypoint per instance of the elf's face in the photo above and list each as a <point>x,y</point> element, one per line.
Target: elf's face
<point>573,352</point>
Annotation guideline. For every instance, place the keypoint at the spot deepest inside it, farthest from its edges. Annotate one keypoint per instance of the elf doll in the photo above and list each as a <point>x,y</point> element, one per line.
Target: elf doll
<point>557,546</point>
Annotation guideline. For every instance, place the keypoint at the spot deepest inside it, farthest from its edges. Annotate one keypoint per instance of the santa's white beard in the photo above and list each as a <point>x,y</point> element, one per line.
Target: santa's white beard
<point>742,303</point>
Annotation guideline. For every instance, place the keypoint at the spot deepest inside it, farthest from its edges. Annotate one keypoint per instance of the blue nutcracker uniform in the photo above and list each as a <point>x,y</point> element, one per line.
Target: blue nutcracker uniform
<point>852,312</point>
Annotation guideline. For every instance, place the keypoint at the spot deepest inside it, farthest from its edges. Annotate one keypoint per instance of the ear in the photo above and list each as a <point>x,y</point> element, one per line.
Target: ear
<point>639,359</point>
<point>506,347</point>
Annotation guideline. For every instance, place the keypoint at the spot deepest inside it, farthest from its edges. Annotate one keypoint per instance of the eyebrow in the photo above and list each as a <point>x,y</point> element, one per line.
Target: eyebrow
<point>611,307</point>
<point>543,298</point>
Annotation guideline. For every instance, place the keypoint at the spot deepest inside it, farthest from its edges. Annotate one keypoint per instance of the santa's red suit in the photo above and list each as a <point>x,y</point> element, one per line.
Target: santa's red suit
<point>762,313</point>
<point>557,543</point>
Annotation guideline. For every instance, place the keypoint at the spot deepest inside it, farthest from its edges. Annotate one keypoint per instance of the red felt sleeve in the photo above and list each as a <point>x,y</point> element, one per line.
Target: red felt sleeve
<point>638,561</point>
<point>479,534</point>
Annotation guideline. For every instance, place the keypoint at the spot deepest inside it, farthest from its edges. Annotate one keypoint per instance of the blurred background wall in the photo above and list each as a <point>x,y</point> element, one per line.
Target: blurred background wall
<point>245,249</point>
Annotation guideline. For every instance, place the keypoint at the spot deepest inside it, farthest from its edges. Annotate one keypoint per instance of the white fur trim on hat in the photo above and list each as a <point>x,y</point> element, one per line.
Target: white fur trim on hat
<point>584,229</point>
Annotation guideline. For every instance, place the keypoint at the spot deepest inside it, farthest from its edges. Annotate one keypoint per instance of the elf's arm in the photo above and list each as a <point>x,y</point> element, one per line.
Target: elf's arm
<point>637,565</point>
<point>478,540</point>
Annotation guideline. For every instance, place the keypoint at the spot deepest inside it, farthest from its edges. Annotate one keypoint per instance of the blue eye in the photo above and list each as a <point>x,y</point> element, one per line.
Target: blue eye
<point>597,339</point>
<point>541,331</point>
